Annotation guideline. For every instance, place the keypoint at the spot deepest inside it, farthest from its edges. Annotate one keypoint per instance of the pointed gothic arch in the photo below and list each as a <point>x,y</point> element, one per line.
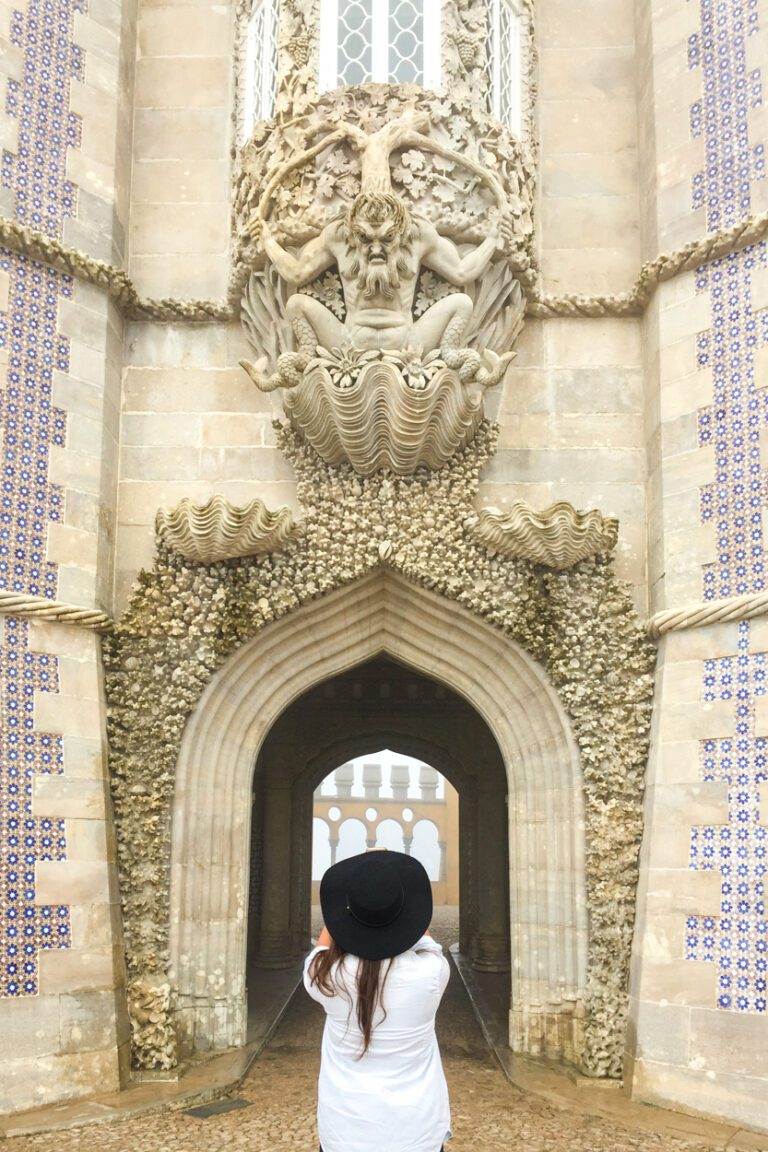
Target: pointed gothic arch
<point>382,613</point>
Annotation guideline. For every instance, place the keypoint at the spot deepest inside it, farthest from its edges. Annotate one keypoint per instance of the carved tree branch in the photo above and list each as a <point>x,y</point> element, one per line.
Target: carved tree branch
<point>418,140</point>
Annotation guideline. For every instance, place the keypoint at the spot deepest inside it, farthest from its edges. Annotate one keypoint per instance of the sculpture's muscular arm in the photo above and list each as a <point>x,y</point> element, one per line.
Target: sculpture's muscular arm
<point>313,259</point>
<point>444,258</point>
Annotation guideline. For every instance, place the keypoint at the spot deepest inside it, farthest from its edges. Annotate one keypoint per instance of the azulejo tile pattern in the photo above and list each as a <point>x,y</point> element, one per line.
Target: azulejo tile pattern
<point>733,503</point>
<point>736,937</point>
<point>24,839</point>
<point>31,425</point>
<point>43,198</point>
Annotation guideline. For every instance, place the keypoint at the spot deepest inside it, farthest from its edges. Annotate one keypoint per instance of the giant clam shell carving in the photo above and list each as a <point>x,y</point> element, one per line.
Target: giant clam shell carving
<point>379,421</point>
<point>558,537</point>
<point>218,530</point>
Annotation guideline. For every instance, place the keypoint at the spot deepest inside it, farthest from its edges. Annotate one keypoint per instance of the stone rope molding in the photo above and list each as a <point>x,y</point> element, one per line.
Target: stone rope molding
<point>697,615</point>
<point>39,608</point>
<point>734,608</point>
<point>666,266</point>
<point>119,287</point>
<point>115,281</point>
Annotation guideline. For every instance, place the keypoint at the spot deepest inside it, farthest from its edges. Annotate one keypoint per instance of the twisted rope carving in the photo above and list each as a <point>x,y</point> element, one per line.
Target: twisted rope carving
<point>119,286</point>
<point>713,246</point>
<point>115,281</point>
<point>744,607</point>
<point>38,608</point>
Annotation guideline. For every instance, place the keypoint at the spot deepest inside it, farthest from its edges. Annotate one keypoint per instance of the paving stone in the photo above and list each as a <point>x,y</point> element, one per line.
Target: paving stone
<point>489,1113</point>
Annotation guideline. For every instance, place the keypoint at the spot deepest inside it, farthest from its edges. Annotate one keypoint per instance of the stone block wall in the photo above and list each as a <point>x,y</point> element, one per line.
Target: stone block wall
<point>699,1027</point>
<point>572,407</point>
<point>192,422</point>
<point>66,97</point>
<point>192,425</point>
<point>180,190</point>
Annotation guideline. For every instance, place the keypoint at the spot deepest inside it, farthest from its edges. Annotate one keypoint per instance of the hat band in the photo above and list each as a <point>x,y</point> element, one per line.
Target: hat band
<point>378,921</point>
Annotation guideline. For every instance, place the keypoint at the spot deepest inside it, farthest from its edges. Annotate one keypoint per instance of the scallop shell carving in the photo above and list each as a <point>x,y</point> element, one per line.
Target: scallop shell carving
<point>218,530</point>
<point>379,421</point>
<point>558,537</point>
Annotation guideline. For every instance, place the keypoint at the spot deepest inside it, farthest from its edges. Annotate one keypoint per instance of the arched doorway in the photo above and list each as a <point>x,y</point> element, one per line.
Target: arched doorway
<point>381,614</point>
<point>381,703</point>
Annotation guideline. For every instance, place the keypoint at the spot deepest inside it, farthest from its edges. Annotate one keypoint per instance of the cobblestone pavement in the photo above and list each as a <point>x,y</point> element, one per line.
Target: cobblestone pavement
<point>489,1114</point>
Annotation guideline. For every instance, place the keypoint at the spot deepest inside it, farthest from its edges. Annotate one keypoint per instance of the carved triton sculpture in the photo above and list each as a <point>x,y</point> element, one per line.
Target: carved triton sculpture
<point>379,248</point>
<point>382,237</point>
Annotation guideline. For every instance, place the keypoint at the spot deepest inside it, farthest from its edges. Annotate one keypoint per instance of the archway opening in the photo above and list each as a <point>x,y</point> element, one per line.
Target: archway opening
<point>219,900</point>
<point>377,756</point>
<point>394,802</point>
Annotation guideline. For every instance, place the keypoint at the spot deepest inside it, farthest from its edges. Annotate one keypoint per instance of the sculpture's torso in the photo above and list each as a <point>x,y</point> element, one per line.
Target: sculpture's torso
<point>377,319</point>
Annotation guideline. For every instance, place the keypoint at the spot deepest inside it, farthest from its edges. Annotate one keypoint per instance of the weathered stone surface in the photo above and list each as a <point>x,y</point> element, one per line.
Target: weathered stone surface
<point>579,625</point>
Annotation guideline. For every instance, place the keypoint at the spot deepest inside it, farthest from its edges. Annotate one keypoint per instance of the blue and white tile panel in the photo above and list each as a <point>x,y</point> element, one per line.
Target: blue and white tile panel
<point>733,503</point>
<point>33,349</point>
<point>735,936</point>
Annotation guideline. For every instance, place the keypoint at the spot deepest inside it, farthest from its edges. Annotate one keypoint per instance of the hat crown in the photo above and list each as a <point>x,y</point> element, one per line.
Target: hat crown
<point>375,894</point>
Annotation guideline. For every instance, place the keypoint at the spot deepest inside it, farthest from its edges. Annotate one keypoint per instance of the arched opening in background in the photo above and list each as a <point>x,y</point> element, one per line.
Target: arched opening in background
<point>404,742</point>
<point>402,805</point>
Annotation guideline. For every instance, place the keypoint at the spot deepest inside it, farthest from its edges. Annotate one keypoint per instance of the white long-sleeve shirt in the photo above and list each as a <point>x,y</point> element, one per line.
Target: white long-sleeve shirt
<point>394,1098</point>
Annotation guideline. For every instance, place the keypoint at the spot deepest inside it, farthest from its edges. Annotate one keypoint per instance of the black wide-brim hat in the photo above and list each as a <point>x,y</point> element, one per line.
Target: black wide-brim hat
<point>376,905</point>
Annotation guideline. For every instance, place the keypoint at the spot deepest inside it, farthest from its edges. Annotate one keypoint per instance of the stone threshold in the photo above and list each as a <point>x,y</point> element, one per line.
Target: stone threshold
<point>202,1080</point>
<point>566,1089</point>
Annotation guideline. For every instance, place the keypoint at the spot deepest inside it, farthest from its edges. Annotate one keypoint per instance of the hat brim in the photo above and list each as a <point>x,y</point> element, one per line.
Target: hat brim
<point>392,939</point>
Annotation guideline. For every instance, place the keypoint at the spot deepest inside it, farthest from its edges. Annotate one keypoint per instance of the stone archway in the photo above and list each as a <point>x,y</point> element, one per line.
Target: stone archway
<point>381,703</point>
<point>381,613</point>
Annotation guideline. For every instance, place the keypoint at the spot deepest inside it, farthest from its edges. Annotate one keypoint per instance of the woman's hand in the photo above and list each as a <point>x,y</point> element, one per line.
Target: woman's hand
<point>325,939</point>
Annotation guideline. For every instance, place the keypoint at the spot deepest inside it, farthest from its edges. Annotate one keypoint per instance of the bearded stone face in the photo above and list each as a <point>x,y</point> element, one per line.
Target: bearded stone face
<point>379,231</point>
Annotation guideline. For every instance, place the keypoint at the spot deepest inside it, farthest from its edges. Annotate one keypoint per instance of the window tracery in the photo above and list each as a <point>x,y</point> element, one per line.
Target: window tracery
<point>379,41</point>
<point>505,62</point>
<point>260,65</point>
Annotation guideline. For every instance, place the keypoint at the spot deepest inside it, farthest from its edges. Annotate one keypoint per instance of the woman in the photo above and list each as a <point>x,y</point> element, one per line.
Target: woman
<point>380,978</point>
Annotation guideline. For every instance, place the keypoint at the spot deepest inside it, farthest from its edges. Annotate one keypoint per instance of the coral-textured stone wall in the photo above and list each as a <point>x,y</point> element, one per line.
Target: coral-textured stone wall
<point>701,952</point>
<point>62,131</point>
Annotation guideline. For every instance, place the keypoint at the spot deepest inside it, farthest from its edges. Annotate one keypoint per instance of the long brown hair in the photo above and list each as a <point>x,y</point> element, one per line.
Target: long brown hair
<point>370,985</point>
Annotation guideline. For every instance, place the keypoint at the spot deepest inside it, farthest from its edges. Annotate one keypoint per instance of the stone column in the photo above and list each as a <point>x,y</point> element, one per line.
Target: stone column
<point>344,778</point>
<point>453,838</point>
<point>400,778</point>
<point>371,781</point>
<point>273,948</point>
<point>467,869</point>
<point>491,946</point>
<point>428,781</point>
